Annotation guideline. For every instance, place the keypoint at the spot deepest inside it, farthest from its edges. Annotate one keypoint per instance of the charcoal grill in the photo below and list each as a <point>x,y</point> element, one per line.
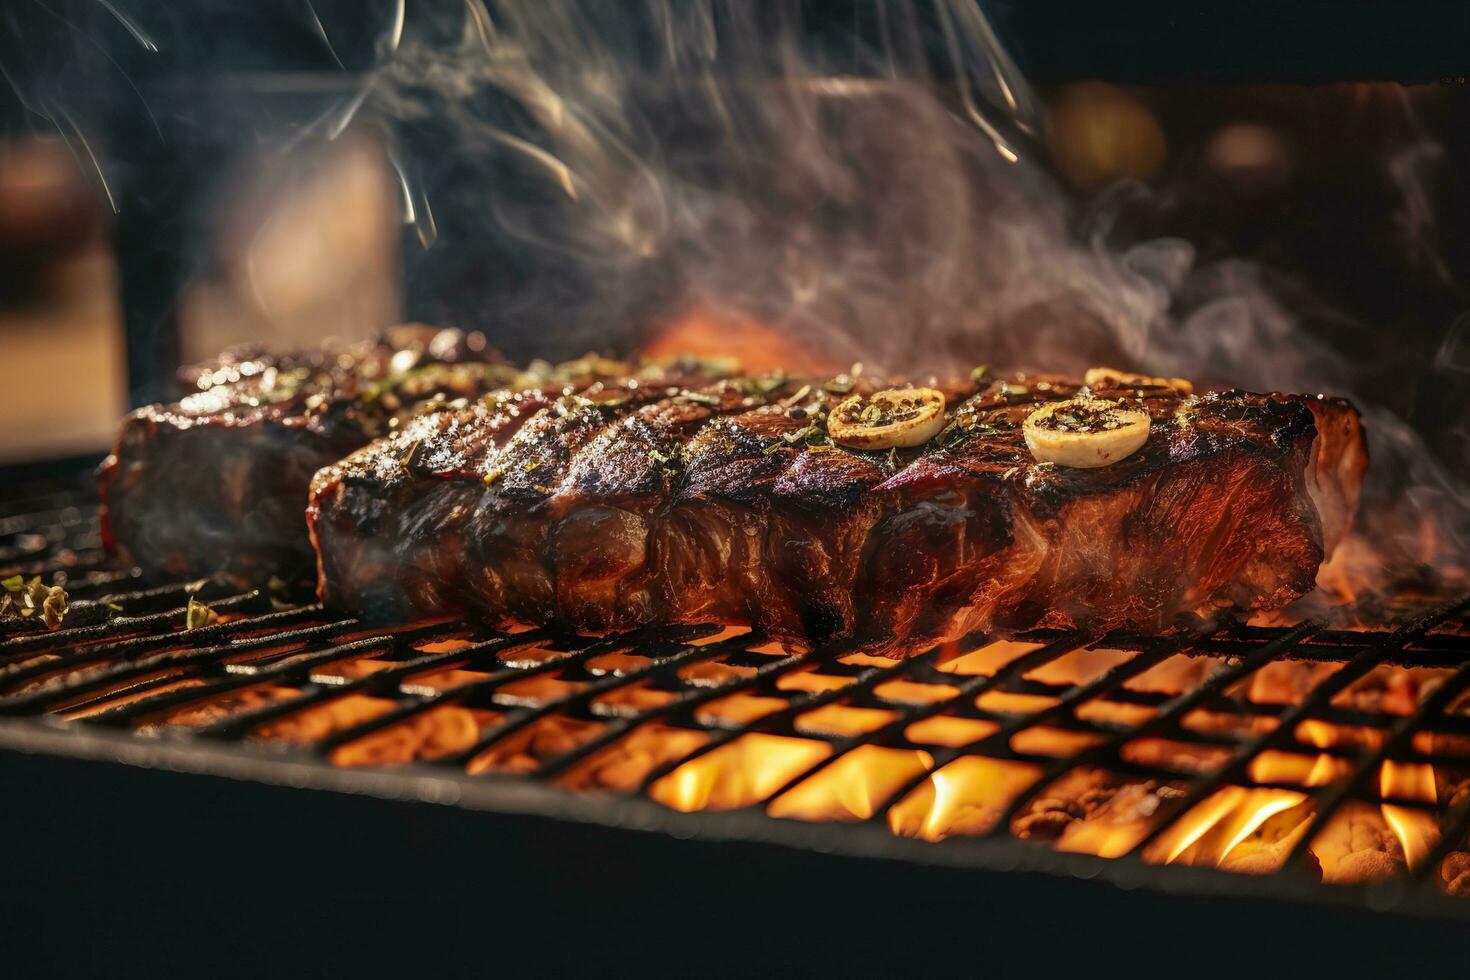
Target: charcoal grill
<point>124,682</point>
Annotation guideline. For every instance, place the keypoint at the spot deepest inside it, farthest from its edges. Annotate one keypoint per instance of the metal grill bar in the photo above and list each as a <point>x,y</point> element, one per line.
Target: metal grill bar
<point>124,662</point>
<point>999,742</point>
<point>866,681</point>
<point>1321,695</point>
<point>1397,742</point>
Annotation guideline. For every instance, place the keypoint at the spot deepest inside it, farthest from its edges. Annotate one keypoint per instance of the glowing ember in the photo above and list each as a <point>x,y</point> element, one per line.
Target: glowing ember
<point>1059,742</point>
<point>988,659</point>
<point>439,732</point>
<point>1091,811</point>
<point>841,719</point>
<point>624,765</point>
<point>316,723</point>
<point>1008,702</point>
<point>812,680</point>
<point>950,731</point>
<point>738,709</point>
<point>528,748</point>
<point>1079,666</point>
<point>631,700</point>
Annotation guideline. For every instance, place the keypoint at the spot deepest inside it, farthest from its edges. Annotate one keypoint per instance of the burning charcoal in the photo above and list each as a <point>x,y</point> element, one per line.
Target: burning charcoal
<point>1365,868</point>
<point>1094,811</point>
<point>1460,796</point>
<point>1455,866</point>
<point>434,734</point>
<point>1260,858</point>
<point>315,723</point>
<point>221,707</point>
<point>1047,818</point>
<point>1359,847</point>
<point>1454,871</point>
<point>526,749</point>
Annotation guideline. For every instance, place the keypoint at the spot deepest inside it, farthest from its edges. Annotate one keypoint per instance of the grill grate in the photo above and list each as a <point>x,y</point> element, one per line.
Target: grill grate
<point>668,713</point>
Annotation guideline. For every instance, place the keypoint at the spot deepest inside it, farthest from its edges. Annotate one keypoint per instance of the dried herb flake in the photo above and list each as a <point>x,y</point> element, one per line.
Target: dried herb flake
<point>198,615</point>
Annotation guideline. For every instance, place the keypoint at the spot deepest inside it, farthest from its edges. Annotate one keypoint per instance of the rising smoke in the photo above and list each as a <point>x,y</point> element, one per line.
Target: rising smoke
<point>867,176</point>
<point>875,185</point>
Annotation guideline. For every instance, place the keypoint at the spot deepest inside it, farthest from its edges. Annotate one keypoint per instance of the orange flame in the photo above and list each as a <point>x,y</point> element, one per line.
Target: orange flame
<point>709,333</point>
<point>853,786</point>
<point>1222,831</point>
<point>738,774</point>
<point>1234,829</point>
<point>1417,830</point>
<point>966,797</point>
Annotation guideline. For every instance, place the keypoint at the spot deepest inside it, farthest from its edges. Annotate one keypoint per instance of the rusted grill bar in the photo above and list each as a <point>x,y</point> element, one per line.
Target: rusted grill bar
<point>705,718</point>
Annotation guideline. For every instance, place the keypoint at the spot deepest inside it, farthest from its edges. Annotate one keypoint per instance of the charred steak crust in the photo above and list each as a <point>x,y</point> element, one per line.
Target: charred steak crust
<point>725,502</point>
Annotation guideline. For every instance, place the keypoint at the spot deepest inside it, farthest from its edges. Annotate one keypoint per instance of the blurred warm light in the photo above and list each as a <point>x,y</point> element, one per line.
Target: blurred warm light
<point>1100,134</point>
<point>737,709</point>
<point>62,365</point>
<point>1251,157</point>
<point>301,260</point>
<point>1010,702</point>
<point>1079,666</point>
<point>912,692</point>
<point>705,332</point>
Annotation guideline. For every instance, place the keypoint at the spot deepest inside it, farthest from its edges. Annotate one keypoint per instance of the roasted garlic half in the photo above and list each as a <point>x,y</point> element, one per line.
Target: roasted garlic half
<point>1085,432</point>
<point>895,418</point>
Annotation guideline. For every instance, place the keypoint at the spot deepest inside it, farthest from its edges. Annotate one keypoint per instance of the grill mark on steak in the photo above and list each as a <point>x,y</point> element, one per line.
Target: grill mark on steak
<point>644,506</point>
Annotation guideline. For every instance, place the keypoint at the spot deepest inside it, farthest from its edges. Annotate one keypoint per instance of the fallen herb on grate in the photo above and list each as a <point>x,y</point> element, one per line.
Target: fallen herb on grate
<point>198,615</point>
<point>27,599</point>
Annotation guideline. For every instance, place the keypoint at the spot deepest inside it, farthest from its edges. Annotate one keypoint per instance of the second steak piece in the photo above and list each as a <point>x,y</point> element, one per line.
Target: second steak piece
<point>728,504</point>
<point>216,483</point>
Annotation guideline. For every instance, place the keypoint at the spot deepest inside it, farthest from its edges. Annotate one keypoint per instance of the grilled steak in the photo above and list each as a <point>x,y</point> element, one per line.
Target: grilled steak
<point>728,503</point>
<point>217,482</point>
